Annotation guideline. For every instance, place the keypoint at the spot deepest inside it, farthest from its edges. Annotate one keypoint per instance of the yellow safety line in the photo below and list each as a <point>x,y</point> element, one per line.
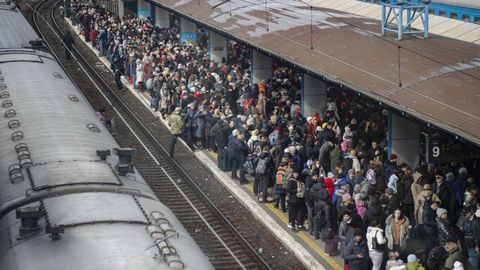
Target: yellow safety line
<point>301,234</point>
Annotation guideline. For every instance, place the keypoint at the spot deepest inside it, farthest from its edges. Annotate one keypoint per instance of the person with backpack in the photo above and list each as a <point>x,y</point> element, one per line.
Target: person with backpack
<point>322,210</point>
<point>376,244</point>
<point>281,182</point>
<point>263,172</point>
<point>296,201</point>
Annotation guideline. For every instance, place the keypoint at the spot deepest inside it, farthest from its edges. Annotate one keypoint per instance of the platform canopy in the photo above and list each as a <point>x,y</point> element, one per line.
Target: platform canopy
<point>440,77</point>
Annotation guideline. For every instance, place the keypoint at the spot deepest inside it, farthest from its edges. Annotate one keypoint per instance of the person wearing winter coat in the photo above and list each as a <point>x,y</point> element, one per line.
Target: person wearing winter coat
<point>356,252</point>
<point>392,183</point>
<point>469,224</point>
<point>199,119</point>
<point>322,218</point>
<point>176,124</point>
<point>445,231</point>
<point>376,255</point>
<point>263,171</point>
<point>444,193</point>
<point>424,196</point>
<point>413,264</point>
<point>454,254</point>
<point>396,230</point>
<point>429,221</point>
<point>296,201</point>
<point>139,75</point>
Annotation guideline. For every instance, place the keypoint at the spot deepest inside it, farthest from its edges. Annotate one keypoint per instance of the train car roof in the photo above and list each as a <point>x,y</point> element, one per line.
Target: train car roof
<point>15,31</point>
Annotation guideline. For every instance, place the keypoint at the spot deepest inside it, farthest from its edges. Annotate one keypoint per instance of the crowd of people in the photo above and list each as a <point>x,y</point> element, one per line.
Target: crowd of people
<point>330,170</point>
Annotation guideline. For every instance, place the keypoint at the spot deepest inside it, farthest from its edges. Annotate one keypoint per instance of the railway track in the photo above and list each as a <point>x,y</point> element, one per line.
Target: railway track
<point>213,232</point>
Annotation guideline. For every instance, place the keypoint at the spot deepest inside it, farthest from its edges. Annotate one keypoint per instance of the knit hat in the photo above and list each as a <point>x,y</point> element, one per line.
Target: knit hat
<point>462,170</point>
<point>450,176</point>
<point>389,191</point>
<point>441,211</point>
<point>412,258</point>
<point>330,175</point>
<point>393,157</point>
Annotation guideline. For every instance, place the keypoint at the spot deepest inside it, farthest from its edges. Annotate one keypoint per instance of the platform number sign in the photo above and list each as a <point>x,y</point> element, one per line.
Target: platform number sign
<point>445,149</point>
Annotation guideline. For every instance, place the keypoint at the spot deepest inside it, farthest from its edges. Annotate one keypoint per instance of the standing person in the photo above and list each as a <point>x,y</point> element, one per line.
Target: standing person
<point>118,70</point>
<point>445,232</point>
<point>296,189</point>
<point>68,42</point>
<point>356,252</point>
<point>429,221</point>
<point>469,224</point>
<point>263,171</point>
<point>375,233</point>
<point>240,152</point>
<point>176,124</point>
<point>396,231</point>
<point>444,193</point>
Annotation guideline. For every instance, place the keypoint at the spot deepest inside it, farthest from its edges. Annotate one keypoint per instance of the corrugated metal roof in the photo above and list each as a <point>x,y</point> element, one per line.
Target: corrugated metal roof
<point>438,25</point>
<point>440,76</point>
<point>15,32</point>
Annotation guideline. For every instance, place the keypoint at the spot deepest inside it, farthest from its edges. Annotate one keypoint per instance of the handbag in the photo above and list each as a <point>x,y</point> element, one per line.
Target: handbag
<point>375,244</point>
<point>331,243</point>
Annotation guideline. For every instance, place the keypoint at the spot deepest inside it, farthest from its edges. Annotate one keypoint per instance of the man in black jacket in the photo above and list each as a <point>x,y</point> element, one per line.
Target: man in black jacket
<point>356,252</point>
<point>469,224</point>
<point>430,225</point>
<point>444,193</point>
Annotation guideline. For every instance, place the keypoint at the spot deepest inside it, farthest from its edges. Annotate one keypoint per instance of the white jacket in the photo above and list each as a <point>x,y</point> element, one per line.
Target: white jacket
<point>372,232</point>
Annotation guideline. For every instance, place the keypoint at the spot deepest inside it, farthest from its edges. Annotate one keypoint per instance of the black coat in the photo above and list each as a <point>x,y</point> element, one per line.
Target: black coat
<point>352,250</point>
<point>429,221</point>
<point>446,195</point>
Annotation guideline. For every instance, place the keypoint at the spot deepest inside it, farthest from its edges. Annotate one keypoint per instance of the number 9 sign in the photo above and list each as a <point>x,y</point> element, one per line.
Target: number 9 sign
<point>436,151</point>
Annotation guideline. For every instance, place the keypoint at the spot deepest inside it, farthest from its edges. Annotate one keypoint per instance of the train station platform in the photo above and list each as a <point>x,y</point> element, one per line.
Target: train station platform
<point>309,251</point>
<point>432,81</point>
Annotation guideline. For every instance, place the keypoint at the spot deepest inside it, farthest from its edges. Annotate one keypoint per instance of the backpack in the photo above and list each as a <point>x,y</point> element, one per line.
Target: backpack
<point>248,167</point>
<point>280,177</point>
<point>371,177</point>
<point>262,166</point>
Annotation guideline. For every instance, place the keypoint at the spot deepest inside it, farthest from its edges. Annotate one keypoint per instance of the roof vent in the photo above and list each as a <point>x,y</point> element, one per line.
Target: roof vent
<point>25,159</point>
<point>10,113</point>
<point>4,94</point>
<point>103,154</point>
<point>73,98</point>
<point>7,103</point>
<point>3,86</point>
<point>13,124</point>
<point>17,135</point>
<point>15,172</point>
<point>21,147</point>
<point>93,128</point>
<point>125,157</point>
<point>29,217</point>
<point>2,78</point>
